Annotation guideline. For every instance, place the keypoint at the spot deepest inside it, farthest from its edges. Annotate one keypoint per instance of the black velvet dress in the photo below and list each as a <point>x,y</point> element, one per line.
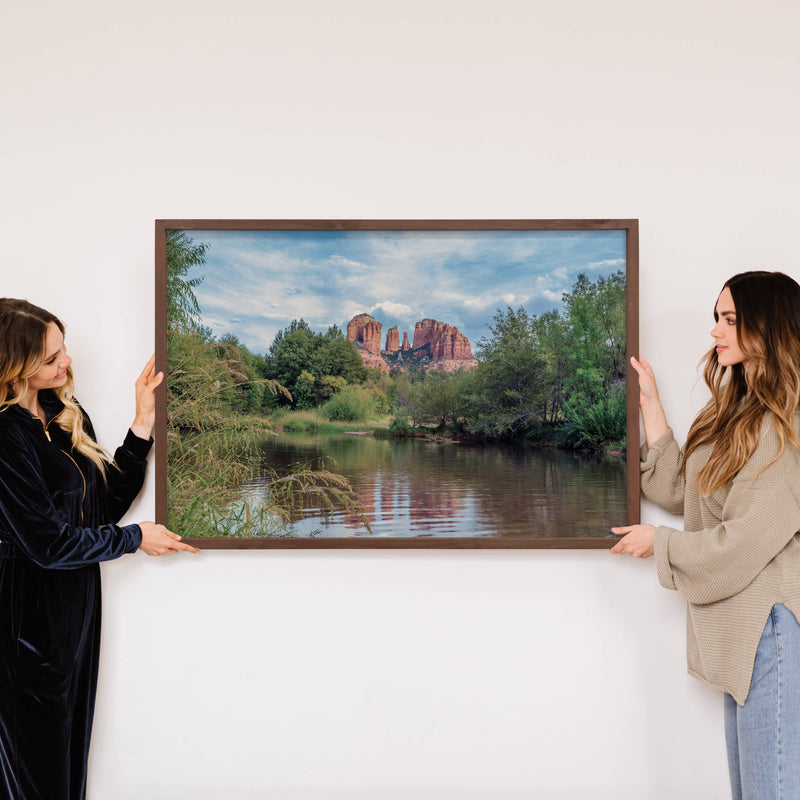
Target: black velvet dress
<point>57,521</point>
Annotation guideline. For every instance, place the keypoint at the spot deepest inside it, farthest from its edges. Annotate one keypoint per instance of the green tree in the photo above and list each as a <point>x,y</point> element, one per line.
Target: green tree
<point>335,355</point>
<point>596,336</point>
<point>563,370</point>
<point>304,390</point>
<point>512,373</point>
<point>440,397</point>
<point>290,353</point>
<point>183,254</point>
<point>297,349</point>
<point>550,332</point>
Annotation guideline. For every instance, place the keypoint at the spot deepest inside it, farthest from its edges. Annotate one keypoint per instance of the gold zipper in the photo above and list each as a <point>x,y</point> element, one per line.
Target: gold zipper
<point>47,425</point>
<point>47,432</point>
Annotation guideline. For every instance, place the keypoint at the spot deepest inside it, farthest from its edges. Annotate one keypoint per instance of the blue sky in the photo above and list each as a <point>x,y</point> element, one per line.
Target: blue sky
<point>256,282</point>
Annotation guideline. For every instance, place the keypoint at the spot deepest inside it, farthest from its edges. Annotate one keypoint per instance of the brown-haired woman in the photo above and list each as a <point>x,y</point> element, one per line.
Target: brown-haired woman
<point>61,497</point>
<point>737,483</point>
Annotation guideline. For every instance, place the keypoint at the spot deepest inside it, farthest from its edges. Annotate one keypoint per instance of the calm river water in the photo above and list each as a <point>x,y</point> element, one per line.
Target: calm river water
<point>419,488</point>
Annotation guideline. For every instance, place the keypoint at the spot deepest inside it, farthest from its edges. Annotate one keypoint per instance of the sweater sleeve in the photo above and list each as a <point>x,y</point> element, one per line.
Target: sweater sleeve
<point>760,516</point>
<point>662,481</point>
<point>30,521</point>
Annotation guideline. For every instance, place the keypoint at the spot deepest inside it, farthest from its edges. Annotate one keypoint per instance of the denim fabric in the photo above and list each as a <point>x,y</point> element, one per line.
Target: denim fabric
<point>763,735</point>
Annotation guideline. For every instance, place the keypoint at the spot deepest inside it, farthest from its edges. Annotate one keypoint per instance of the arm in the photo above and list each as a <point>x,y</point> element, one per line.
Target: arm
<point>126,481</point>
<point>662,481</point>
<point>653,416</point>
<point>125,477</point>
<point>759,518</point>
<point>30,520</point>
<point>157,540</point>
<point>146,384</point>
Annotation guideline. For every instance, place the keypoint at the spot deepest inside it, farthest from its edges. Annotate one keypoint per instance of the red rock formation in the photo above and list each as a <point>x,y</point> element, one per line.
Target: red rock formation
<point>392,340</point>
<point>425,331</point>
<point>446,342</point>
<point>365,330</point>
<point>436,346</point>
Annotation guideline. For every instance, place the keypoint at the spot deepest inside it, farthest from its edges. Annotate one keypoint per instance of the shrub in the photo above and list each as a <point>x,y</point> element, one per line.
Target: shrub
<point>351,404</point>
<point>400,427</point>
<point>601,426</point>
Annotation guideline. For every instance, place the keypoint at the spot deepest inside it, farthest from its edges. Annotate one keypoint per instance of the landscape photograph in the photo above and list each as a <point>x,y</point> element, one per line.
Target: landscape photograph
<point>396,384</point>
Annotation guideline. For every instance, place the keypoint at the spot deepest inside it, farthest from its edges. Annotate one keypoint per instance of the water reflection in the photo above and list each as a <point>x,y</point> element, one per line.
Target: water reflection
<point>418,488</point>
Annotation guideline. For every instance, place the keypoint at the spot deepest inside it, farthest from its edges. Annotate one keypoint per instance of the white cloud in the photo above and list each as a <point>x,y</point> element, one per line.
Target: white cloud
<point>395,309</point>
<point>609,262</point>
<point>352,308</point>
<point>495,300</point>
<point>554,296</point>
<point>347,263</point>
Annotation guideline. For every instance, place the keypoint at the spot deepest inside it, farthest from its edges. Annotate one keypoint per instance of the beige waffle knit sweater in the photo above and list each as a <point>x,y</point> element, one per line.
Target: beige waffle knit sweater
<point>738,556</point>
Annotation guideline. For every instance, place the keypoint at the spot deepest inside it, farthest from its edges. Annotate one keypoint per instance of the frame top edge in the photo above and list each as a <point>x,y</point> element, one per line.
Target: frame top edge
<point>396,224</point>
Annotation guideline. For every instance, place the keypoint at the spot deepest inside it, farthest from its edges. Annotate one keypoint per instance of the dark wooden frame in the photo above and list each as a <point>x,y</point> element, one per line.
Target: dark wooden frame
<point>631,226</point>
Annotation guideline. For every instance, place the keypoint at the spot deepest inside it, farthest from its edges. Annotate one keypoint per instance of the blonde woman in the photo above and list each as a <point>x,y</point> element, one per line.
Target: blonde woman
<point>61,497</point>
<point>737,483</point>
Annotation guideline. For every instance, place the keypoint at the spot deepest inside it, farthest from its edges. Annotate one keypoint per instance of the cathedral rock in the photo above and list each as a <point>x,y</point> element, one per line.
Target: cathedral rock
<point>436,345</point>
<point>365,331</point>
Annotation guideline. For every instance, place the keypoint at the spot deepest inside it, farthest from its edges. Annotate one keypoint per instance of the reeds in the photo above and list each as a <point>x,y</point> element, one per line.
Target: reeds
<point>206,473</point>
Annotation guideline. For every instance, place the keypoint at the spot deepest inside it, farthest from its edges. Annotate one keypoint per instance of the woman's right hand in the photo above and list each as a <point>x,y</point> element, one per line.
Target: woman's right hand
<point>158,540</point>
<point>648,390</point>
<point>653,416</point>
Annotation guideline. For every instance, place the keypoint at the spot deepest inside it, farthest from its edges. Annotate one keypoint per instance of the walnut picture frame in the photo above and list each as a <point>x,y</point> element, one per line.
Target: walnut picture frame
<point>397,383</point>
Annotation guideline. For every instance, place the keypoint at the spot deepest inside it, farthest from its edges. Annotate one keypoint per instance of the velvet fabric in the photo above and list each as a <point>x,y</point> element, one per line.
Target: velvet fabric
<point>57,522</point>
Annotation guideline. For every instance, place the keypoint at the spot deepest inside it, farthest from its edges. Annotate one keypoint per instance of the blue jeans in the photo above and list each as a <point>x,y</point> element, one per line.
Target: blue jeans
<point>763,735</point>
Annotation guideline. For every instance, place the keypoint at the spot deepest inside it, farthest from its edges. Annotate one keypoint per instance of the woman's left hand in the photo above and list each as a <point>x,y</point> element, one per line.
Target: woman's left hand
<point>146,385</point>
<point>637,540</point>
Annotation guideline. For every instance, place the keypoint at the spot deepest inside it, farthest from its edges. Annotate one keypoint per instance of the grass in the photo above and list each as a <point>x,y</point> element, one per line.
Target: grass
<point>305,421</point>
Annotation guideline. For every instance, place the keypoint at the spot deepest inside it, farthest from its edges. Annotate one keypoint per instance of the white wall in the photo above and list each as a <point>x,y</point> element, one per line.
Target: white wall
<point>394,675</point>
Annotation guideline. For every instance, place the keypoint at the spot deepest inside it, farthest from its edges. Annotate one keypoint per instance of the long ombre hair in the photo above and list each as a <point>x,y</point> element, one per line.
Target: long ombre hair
<point>23,329</point>
<point>768,331</point>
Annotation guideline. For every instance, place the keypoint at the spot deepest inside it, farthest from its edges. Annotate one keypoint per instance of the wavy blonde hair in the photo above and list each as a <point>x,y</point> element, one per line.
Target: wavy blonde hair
<point>23,329</point>
<point>768,331</point>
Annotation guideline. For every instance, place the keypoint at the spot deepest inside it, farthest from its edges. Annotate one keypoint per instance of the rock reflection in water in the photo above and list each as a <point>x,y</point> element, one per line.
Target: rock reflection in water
<point>417,488</point>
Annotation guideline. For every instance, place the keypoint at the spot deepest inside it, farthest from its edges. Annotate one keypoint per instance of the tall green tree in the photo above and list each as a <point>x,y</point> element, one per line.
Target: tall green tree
<point>550,331</point>
<point>297,350</point>
<point>512,374</point>
<point>183,254</point>
<point>335,355</point>
<point>290,353</point>
<point>596,336</point>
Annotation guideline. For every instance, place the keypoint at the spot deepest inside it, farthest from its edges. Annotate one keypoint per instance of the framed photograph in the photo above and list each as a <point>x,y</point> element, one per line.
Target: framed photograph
<point>397,383</point>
